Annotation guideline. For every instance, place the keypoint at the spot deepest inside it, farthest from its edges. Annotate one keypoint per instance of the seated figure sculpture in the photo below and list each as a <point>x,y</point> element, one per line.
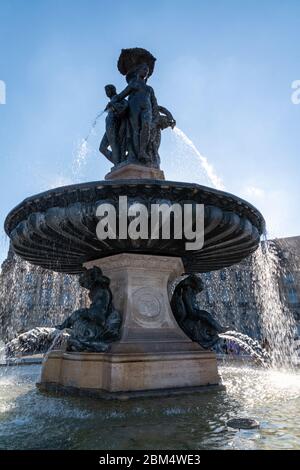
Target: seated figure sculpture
<point>198,324</point>
<point>93,328</point>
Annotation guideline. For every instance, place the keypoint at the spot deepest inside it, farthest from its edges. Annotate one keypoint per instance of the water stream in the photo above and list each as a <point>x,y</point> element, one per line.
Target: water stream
<point>249,345</point>
<point>208,168</point>
<point>82,151</point>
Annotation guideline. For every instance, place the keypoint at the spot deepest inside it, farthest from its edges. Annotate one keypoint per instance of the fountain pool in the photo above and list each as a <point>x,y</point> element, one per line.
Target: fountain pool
<point>32,420</point>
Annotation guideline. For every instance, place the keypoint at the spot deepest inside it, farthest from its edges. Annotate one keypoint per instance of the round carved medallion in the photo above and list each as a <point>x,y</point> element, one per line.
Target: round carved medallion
<point>147,305</point>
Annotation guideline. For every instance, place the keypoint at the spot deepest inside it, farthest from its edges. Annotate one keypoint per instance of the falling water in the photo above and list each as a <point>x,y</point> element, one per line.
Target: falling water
<point>33,297</point>
<point>80,157</point>
<point>277,322</point>
<point>214,179</point>
<point>82,151</point>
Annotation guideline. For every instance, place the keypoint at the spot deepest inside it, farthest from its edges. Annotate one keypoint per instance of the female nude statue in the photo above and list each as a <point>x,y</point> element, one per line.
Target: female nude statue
<point>134,120</point>
<point>142,106</point>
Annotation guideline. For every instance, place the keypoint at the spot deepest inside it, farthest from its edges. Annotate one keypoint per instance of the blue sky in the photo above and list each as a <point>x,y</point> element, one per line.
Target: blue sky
<point>224,68</point>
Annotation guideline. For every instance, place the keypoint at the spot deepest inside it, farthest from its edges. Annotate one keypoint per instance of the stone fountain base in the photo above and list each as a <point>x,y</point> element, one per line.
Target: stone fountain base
<point>153,356</point>
<point>129,375</point>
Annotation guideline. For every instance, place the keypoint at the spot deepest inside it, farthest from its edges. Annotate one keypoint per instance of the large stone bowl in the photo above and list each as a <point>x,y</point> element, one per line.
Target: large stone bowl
<point>57,229</point>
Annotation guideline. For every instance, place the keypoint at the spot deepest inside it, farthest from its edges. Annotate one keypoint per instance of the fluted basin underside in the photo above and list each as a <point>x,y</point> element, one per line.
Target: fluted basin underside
<point>57,229</point>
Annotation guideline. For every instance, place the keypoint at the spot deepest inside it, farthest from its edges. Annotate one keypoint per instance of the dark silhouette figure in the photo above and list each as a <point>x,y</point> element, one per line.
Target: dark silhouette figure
<point>95,327</point>
<point>134,121</point>
<point>115,128</point>
<point>198,324</point>
<point>142,105</point>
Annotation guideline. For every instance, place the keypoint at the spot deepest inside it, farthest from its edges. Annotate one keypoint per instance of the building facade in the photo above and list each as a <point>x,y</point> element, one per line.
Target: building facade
<point>31,296</point>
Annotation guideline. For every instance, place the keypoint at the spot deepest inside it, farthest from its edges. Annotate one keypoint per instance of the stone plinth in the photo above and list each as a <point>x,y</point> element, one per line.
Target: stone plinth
<point>139,284</point>
<point>110,375</point>
<point>153,354</point>
<point>133,171</point>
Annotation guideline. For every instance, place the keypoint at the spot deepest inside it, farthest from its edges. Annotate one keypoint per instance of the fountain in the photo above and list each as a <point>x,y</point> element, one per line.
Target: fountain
<point>133,339</point>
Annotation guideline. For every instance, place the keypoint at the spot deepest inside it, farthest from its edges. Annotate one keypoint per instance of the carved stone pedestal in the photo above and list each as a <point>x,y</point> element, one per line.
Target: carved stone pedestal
<point>153,356</point>
<point>134,171</point>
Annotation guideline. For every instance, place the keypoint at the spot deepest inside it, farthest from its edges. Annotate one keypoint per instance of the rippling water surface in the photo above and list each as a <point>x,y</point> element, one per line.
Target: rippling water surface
<point>32,420</point>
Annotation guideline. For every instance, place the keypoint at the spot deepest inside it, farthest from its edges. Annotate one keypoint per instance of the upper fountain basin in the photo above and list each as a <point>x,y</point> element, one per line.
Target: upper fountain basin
<point>56,229</point>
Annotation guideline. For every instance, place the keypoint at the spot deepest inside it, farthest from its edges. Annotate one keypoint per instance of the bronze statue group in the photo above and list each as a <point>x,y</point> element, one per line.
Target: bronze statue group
<point>134,119</point>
